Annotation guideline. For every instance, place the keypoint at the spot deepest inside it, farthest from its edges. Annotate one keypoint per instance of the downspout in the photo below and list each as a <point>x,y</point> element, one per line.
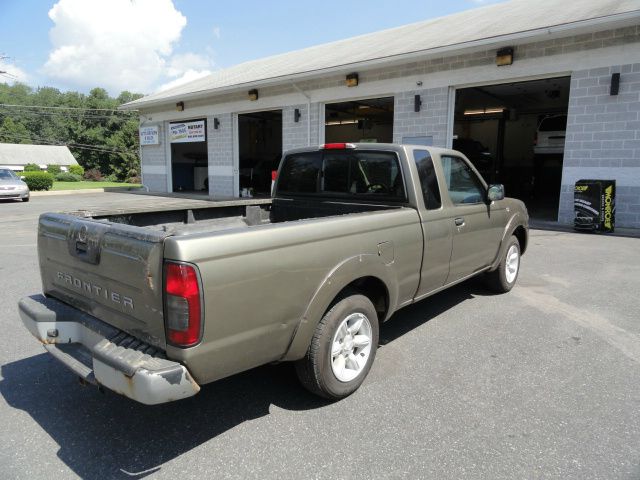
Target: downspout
<point>305,95</point>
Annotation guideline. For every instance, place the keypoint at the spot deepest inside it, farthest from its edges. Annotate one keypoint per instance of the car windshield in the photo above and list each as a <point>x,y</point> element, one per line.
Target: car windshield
<point>7,174</point>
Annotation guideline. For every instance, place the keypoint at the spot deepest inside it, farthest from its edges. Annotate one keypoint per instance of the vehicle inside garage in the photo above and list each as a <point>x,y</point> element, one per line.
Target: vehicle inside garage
<point>260,149</point>
<point>514,134</point>
<point>189,159</point>
<point>368,120</point>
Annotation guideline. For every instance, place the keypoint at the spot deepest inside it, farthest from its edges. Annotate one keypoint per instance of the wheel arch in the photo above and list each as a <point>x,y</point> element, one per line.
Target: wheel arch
<point>364,274</point>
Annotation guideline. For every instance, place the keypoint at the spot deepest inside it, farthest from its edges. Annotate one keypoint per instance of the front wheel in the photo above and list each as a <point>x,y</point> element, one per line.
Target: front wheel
<point>342,349</point>
<point>502,279</point>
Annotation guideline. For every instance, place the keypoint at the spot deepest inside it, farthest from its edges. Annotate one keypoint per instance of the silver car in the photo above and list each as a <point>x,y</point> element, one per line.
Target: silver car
<point>11,186</point>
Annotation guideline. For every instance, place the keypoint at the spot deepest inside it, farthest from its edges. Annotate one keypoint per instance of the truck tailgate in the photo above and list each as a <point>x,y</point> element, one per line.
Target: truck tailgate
<point>109,270</point>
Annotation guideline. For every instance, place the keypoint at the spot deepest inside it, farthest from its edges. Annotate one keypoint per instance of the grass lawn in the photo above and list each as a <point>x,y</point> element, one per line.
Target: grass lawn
<point>87,185</point>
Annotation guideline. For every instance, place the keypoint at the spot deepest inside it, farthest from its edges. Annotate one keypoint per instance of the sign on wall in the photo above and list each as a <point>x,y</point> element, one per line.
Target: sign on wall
<point>149,135</point>
<point>187,132</point>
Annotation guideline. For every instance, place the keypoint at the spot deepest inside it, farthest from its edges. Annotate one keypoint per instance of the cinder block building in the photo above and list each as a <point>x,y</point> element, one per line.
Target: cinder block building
<point>536,94</point>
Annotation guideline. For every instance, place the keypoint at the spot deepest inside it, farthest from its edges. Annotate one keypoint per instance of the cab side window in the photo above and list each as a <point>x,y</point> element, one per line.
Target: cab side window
<point>428,179</point>
<point>463,184</point>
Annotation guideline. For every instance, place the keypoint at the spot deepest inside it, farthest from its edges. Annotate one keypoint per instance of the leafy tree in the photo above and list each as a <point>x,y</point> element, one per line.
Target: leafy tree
<point>99,136</point>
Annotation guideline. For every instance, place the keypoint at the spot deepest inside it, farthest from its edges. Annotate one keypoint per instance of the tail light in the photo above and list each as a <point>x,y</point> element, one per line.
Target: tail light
<point>183,305</point>
<point>336,146</point>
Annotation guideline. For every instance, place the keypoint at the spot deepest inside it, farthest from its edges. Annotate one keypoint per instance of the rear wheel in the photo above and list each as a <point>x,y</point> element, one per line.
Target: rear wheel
<point>342,349</point>
<point>502,279</point>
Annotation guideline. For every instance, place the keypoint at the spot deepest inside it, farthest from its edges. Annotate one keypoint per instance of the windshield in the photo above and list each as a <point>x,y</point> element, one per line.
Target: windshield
<point>7,174</point>
<point>554,124</point>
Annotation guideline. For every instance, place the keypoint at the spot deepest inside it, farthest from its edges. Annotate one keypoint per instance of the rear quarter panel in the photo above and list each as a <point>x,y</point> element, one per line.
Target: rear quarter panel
<point>263,283</point>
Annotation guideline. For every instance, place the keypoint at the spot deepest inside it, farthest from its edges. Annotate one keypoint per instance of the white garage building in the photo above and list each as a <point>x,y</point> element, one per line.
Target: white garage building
<point>490,82</point>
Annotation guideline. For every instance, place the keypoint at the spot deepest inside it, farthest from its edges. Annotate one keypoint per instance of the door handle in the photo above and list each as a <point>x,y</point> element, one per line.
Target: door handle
<point>459,221</point>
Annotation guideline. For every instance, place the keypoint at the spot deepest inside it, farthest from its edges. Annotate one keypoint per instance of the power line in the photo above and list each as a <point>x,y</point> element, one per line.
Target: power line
<point>70,108</point>
<point>70,115</point>
<point>81,146</point>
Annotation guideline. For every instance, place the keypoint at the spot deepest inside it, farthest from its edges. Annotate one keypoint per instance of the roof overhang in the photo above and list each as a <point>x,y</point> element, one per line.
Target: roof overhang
<point>619,20</point>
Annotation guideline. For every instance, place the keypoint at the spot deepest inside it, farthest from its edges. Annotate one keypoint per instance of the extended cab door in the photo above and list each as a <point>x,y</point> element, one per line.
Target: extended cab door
<point>437,229</point>
<point>477,225</point>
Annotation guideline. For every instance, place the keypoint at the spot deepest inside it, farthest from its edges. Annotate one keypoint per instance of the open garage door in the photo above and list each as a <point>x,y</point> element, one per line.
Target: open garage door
<point>514,134</point>
<point>189,164</point>
<point>368,120</point>
<point>260,149</point>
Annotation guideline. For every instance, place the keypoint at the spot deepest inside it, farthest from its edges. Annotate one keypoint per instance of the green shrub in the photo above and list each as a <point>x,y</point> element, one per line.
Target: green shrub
<point>136,180</point>
<point>32,167</point>
<point>67,177</point>
<point>111,178</point>
<point>38,180</point>
<point>93,175</point>
<point>76,169</point>
<point>54,169</point>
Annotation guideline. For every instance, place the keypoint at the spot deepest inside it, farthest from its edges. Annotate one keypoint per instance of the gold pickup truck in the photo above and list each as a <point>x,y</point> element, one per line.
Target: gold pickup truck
<point>152,304</point>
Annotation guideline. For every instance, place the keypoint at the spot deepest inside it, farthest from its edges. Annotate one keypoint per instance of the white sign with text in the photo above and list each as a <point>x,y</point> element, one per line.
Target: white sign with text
<point>187,132</point>
<point>149,135</point>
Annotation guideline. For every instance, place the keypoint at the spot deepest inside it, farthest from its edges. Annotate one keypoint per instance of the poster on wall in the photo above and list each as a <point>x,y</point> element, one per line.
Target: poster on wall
<point>149,135</point>
<point>184,132</point>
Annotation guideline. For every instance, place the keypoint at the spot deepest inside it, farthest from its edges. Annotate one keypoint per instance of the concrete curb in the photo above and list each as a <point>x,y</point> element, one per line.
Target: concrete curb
<point>85,190</point>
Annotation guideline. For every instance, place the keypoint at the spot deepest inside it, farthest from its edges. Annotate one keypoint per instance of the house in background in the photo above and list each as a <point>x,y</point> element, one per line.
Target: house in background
<point>15,156</point>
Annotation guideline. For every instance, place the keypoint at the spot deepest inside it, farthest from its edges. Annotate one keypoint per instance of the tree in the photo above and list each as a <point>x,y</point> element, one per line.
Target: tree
<point>98,135</point>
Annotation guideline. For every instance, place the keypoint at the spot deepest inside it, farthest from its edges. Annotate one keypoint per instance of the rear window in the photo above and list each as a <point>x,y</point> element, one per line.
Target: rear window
<point>554,124</point>
<point>356,174</point>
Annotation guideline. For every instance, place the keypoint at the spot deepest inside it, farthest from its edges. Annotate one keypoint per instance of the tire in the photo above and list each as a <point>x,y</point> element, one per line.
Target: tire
<point>341,334</point>
<point>25,199</point>
<point>503,278</point>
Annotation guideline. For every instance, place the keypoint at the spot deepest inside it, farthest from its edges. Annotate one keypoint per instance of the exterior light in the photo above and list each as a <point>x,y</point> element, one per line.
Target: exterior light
<point>504,56</point>
<point>180,106</point>
<point>417,103</point>
<point>352,80</point>
<point>615,84</point>
<point>296,115</point>
<point>253,95</point>
<point>216,123</point>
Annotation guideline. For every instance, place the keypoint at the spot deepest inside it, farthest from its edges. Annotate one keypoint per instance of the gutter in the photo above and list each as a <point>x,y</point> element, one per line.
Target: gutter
<point>519,37</point>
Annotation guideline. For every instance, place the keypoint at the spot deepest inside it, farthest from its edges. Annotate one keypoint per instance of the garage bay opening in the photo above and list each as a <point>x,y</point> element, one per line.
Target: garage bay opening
<point>368,120</point>
<point>260,149</point>
<point>189,165</point>
<point>514,134</point>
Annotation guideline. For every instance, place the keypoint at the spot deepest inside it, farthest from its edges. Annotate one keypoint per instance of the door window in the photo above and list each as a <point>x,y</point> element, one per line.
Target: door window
<point>463,184</point>
<point>428,179</point>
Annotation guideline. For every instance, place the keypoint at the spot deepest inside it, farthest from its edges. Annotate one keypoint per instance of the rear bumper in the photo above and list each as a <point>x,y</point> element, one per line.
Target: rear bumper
<point>103,355</point>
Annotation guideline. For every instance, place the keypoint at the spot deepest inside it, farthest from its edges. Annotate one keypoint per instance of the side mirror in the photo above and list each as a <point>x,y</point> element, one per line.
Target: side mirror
<point>495,192</point>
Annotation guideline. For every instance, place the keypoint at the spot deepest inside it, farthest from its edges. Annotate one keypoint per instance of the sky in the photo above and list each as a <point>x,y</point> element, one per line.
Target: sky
<point>145,46</point>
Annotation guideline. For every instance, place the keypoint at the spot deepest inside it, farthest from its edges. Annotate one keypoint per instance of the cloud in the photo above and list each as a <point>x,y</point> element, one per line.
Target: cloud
<point>216,32</point>
<point>183,62</point>
<point>118,44</point>
<point>12,73</point>
<point>187,76</point>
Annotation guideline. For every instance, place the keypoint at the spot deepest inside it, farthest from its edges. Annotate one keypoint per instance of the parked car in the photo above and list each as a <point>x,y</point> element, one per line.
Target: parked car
<point>153,304</point>
<point>550,135</point>
<point>12,186</point>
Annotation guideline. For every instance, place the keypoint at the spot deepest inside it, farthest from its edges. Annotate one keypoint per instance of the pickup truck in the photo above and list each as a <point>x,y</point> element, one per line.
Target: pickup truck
<point>154,304</point>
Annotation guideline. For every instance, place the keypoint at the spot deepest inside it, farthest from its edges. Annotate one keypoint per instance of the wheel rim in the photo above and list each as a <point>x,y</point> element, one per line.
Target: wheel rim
<point>351,347</point>
<point>512,264</point>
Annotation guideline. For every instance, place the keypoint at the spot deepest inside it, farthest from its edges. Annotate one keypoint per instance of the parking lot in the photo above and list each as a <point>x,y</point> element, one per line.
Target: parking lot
<point>543,382</point>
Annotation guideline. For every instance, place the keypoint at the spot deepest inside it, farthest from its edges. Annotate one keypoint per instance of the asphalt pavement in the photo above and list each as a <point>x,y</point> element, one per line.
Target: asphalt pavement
<point>543,382</point>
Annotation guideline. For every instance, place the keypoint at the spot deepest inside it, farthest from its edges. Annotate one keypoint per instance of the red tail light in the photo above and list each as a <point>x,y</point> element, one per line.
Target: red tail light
<point>183,308</point>
<point>336,146</point>
<point>274,175</point>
